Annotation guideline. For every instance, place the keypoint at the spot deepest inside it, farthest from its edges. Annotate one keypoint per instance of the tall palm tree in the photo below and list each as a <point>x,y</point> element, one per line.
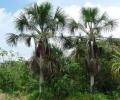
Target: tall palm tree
<point>92,23</point>
<point>38,23</point>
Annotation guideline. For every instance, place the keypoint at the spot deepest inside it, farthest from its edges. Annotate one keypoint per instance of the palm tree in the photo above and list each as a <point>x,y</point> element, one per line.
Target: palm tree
<point>38,23</point>
<point>92,23</point>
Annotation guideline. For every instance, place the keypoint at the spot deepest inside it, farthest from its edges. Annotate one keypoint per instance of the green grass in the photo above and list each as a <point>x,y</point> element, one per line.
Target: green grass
<point>86,96</point>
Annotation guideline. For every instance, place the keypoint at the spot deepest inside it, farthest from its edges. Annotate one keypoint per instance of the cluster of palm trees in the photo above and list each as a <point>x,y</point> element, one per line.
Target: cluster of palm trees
<point>39,23</point>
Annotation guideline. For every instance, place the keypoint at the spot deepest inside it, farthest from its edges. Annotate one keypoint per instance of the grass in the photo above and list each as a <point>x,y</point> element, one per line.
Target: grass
<point>5,96</point>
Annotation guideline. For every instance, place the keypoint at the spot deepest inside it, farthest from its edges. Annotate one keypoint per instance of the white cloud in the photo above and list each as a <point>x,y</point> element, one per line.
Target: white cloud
<point>89,4</point>
<point>73,11</point>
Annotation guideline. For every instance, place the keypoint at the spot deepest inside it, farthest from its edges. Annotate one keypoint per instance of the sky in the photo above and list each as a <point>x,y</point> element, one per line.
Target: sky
<point>10,9</point>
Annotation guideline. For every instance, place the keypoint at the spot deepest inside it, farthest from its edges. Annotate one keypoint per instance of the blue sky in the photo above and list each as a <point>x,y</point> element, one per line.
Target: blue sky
<point>9,9</point>
<point>14,5</point>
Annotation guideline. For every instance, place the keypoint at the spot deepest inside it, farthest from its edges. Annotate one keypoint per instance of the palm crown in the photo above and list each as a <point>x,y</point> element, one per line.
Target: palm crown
<point>37,22</point>
<point>92,23</point>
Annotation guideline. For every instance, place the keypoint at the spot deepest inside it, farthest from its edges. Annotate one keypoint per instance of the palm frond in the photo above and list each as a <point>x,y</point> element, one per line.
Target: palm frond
<point>28,41</point>
<point>103,17</point>
<point>28,38</point>
<point>89,14</point>
<point>109,25</point>
<point>73,25</point>
<point>116,63</point>
<point>12,39</point>
<point>40,14</point>
<point>60,17</point>
<point>22,22</point>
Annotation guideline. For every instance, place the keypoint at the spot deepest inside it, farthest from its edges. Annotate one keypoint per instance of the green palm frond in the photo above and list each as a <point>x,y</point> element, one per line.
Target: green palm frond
<point>109,25</point>
<point>116,69</point>
<point>60,17</point>
<point>12,39</point>
<point>103,17</point>
<point>73,25</point>
<point>28,38</point>
<point>33,10</point>
<point>28,41</point>
<point>40,15</point>
<point>89,14</point>
<point>116,63</point>
<point>22,23</point>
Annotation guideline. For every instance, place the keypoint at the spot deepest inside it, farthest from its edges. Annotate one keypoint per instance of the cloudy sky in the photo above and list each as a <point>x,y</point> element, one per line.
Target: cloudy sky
<point>9,9</point>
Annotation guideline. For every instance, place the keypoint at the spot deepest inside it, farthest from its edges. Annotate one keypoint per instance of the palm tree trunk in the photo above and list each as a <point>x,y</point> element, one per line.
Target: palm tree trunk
<point>41,80</point>
<point>41,77</point>
<point>92,75</point>
<point>91,56</point>
<point>91,82</point>
<point>92,50</point>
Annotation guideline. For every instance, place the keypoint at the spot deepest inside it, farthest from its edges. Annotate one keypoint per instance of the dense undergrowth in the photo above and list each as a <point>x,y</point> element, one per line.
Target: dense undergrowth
<point>18,81</point>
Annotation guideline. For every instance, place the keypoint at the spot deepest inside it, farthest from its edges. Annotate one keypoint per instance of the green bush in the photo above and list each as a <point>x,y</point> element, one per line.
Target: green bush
<point>33,96</point>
